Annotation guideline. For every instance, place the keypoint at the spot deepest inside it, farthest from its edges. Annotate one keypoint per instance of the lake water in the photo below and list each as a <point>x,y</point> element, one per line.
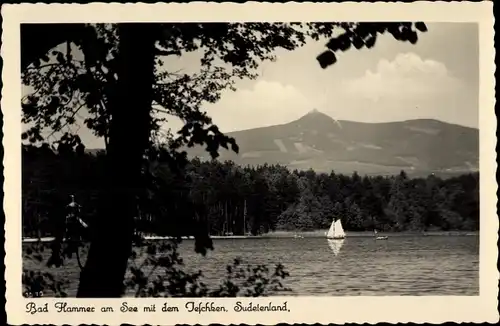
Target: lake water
<point>401,265</point>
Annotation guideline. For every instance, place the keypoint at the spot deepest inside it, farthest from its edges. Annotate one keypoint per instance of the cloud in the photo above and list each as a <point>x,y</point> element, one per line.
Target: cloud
<point>407,76</point>
<point>266,103</point>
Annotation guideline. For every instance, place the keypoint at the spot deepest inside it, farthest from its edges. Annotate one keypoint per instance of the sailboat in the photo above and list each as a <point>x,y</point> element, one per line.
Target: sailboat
<point>335,245</point>
<point>379,237</point>
<point>336,231</point>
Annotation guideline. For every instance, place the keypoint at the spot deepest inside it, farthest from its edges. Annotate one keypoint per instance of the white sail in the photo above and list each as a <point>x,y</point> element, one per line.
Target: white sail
<point>336,230</point>
<point>339,230</point>
<point>335,245</point>
<point>331,231</point>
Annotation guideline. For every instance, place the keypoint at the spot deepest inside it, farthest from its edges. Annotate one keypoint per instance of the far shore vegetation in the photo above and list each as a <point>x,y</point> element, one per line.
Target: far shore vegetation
<point>228,199</point>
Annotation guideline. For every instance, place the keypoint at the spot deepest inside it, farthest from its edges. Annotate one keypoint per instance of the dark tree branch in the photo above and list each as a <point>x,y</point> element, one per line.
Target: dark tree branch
<point>38,39</point>
<point>165,53</point>
<point>67,122</point>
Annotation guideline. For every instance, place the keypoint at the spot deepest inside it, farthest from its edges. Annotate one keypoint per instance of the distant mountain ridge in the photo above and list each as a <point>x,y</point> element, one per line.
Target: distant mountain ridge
<point>322,143</point>
<point>317,141</point>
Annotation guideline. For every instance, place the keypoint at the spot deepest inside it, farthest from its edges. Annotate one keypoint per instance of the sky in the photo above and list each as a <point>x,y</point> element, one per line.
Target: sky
<point>437,78</point>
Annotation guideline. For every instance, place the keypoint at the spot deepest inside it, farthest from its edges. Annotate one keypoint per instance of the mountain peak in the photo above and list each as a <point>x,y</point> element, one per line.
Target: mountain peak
<point>317,120</point>
<point>315,114</point>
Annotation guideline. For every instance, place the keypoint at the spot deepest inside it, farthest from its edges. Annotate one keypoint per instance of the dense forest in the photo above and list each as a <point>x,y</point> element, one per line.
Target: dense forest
<point>226,198</point>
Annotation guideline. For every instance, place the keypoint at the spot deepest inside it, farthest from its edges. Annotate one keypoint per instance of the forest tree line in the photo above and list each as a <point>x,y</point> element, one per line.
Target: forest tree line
<point>225,198</point>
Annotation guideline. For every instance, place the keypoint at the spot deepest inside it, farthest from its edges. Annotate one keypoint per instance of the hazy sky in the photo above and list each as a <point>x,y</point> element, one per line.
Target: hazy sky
<point>436,78</point>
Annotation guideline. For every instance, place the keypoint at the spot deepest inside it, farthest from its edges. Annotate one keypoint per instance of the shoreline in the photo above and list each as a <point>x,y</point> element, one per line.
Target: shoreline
<point>292,235</point>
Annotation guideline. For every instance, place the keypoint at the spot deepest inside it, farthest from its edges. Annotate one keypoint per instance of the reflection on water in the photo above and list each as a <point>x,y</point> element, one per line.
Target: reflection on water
<point>435,265</point>
<point>335,245</point>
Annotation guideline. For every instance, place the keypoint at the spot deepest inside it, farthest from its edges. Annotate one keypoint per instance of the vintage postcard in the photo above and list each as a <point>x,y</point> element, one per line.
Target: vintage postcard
<point>249,163</point>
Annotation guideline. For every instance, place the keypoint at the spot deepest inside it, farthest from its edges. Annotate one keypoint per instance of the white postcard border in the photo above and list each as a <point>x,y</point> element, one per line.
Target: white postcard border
<point>362,309</point>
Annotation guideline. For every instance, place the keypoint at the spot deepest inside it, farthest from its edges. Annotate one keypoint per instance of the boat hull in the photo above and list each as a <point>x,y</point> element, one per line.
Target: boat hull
<point>335,238</point>
<point>381,238</point>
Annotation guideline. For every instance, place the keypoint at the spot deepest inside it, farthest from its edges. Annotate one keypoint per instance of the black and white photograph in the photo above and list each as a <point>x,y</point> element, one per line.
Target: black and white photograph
<point>234,159</point>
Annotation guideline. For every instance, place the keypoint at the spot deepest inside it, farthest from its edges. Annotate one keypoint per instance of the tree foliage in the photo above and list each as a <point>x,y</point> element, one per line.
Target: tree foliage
<point>156,269</point>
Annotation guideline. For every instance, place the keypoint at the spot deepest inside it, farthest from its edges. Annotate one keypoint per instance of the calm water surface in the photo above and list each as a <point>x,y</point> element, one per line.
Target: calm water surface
<point>361,266</point>
<point>401,265</point>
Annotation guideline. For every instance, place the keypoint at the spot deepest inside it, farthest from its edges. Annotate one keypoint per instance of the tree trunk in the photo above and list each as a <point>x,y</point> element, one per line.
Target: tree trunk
<point>130,107</point>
